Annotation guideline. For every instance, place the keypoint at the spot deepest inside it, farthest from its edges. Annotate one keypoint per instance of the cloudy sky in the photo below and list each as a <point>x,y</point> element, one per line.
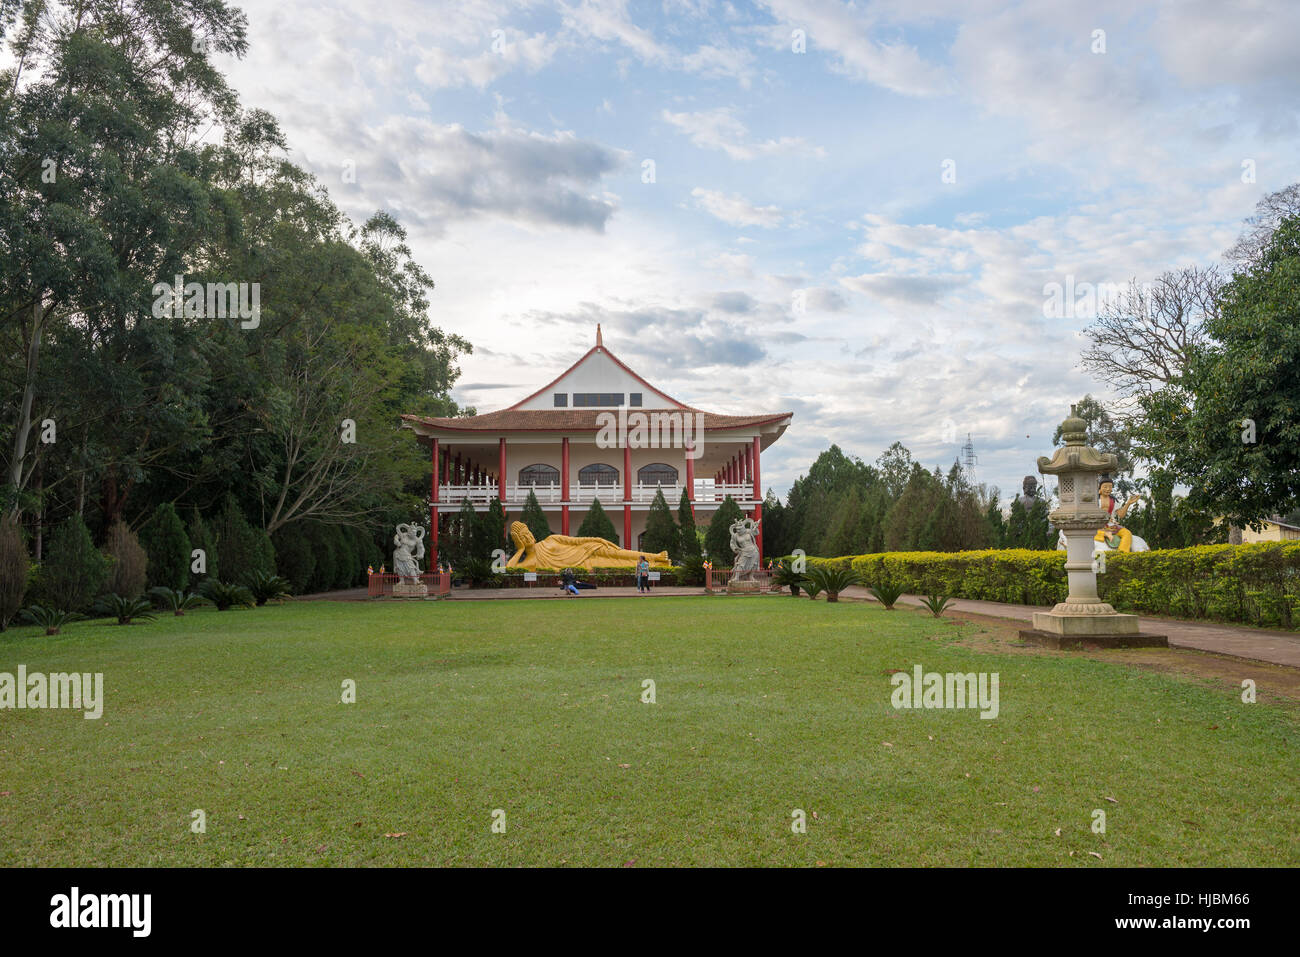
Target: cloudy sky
<point>848,210</point>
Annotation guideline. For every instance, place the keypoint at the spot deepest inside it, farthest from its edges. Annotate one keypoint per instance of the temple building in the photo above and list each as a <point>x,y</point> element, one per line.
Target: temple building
<point>598,431</point>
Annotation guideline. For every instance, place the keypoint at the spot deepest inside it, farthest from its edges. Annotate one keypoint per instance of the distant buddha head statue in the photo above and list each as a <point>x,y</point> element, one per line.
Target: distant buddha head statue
<point>1029,486</point>
<point>521,535</point>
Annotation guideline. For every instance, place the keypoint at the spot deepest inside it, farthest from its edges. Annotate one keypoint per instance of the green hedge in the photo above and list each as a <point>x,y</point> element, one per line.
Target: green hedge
<point>1250,584</point>
<point>610,577</point>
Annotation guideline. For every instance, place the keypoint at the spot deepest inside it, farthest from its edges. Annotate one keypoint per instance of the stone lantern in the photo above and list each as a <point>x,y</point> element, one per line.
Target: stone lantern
<point>1083,618</point>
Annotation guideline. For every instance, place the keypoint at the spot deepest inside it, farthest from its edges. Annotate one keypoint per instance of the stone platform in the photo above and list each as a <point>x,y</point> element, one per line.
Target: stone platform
<point>1068,640</point>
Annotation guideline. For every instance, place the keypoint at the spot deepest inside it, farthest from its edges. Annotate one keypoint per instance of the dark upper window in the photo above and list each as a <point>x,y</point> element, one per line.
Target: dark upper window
<point>561,400</point>
<point>657,474</point>
<point>634,398</point>
<point>598,475</point>
<point>539,475</point>
<point>589,399</point>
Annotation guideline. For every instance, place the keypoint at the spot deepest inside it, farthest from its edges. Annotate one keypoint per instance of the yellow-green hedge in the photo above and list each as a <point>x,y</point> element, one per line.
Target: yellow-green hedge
<point>1252,584</point>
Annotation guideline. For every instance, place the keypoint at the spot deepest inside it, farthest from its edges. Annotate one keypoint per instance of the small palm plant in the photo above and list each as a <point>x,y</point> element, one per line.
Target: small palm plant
<point>784,576</point>
<point>886,593</point>
<point>49,617</point>
<point>811,588</point>
<point>832,579</point>
<point>936,604</point>
<point>266,588</point>
<point>178,601</point>
<point>224,594</point>
<point>125,609</point>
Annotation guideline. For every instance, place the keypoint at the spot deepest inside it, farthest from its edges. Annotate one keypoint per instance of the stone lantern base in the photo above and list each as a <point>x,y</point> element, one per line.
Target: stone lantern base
<point>1089,626</point>
<point>1050,639</point>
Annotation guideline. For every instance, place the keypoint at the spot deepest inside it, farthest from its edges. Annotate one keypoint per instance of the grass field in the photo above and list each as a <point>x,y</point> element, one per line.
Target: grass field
<point>764,706</point>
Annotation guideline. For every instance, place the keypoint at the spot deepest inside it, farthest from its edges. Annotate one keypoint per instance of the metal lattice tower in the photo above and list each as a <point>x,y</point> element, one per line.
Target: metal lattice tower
<point>969,459</point>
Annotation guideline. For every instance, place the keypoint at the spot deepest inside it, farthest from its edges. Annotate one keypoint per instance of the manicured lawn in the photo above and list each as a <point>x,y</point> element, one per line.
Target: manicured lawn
<point>764,705</point>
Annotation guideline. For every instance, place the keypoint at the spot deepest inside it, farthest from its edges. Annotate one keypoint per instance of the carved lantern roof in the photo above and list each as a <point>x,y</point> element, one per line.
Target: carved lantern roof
<point>1075,456</point>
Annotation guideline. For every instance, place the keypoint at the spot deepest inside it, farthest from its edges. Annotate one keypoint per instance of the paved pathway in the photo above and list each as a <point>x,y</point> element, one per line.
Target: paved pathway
<point>1238,641</point>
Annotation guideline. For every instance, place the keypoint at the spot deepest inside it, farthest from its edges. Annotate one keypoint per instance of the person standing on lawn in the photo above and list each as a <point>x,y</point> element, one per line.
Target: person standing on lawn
<point>643,575</point>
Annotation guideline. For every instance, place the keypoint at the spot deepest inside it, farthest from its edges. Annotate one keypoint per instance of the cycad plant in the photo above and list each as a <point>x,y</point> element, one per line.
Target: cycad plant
<point>125,609</point>
<point>266,588</point>
<point>225,595</point>
<point>178,601</point>
<point>784,576</point>
<point>886,593</point>
<point>832,579</point>
<point>49,617</point>
<point>936,604</point>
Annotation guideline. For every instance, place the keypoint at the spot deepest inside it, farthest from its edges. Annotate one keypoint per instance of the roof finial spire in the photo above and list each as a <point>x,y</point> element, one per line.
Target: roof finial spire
<point>598,341</point>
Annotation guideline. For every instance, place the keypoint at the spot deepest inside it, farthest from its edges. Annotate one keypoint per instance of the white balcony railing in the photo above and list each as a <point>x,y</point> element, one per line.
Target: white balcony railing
<point>579,494</point>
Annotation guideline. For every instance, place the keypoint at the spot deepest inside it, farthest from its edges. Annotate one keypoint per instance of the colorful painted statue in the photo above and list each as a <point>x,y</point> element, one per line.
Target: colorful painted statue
<point>567,551</point>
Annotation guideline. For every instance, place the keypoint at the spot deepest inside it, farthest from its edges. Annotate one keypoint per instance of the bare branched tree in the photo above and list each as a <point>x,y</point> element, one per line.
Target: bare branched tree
<point>1141,341</point>
<point>1259,228</point>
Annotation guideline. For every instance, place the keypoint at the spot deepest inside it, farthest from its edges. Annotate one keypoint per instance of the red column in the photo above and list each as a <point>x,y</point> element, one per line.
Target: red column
<point>564,485</point>
<point>434,481</point>
<point>627,496</point>
<point>501,479</point>
<point>690,480</point>
<point>758,494</point>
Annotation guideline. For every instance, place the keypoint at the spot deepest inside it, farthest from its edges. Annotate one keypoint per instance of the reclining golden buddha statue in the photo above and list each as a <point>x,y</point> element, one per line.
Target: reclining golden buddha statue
<point>566,551</point>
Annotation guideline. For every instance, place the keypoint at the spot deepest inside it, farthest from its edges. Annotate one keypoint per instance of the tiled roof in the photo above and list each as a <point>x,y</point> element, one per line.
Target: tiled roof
<point>575,420</point>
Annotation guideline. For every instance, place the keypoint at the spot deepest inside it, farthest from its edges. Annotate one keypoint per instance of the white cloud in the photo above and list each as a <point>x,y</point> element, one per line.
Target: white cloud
<point>735,210</point>
<point>720,129</point>
<point>846,30</point>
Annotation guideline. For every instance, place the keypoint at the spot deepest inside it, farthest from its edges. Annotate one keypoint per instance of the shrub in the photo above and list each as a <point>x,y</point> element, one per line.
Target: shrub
<point>73,575</point>
<point>242,550</point>
<point>717,539</point>
<point>1252,584</point>
<point>202,537</point>
<point>325,548</point>
<point>832,579</point>
<point>266,588</point>
<point>50,618</point>
<point>784,576</point>
<point>887,594</point>
<point>597,524</point>
<point>295,558</point>
<point>128,567</point>
<point>125,609</point>
<point>346,559</point>
<point>14,569</point>
<point>534,517</point>
<point>178,601</point>
<point>225,595</point>
<point>812,588</point>
<point>661,533</point>
<point>936,604</point>
<point>168,548</point>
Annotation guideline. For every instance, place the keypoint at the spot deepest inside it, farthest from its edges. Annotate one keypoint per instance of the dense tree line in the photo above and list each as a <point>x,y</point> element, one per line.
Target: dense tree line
<point>1205,365</point>
<point>845,506</point>
<point>126,161</point>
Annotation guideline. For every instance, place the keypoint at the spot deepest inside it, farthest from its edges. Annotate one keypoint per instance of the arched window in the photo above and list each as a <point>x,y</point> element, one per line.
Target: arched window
<point>598,475</point>
<point>539,475</point>
<point>657,474</point>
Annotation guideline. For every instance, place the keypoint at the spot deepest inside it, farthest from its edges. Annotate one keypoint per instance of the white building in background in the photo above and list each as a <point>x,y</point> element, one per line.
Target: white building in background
<point>597,431</point>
